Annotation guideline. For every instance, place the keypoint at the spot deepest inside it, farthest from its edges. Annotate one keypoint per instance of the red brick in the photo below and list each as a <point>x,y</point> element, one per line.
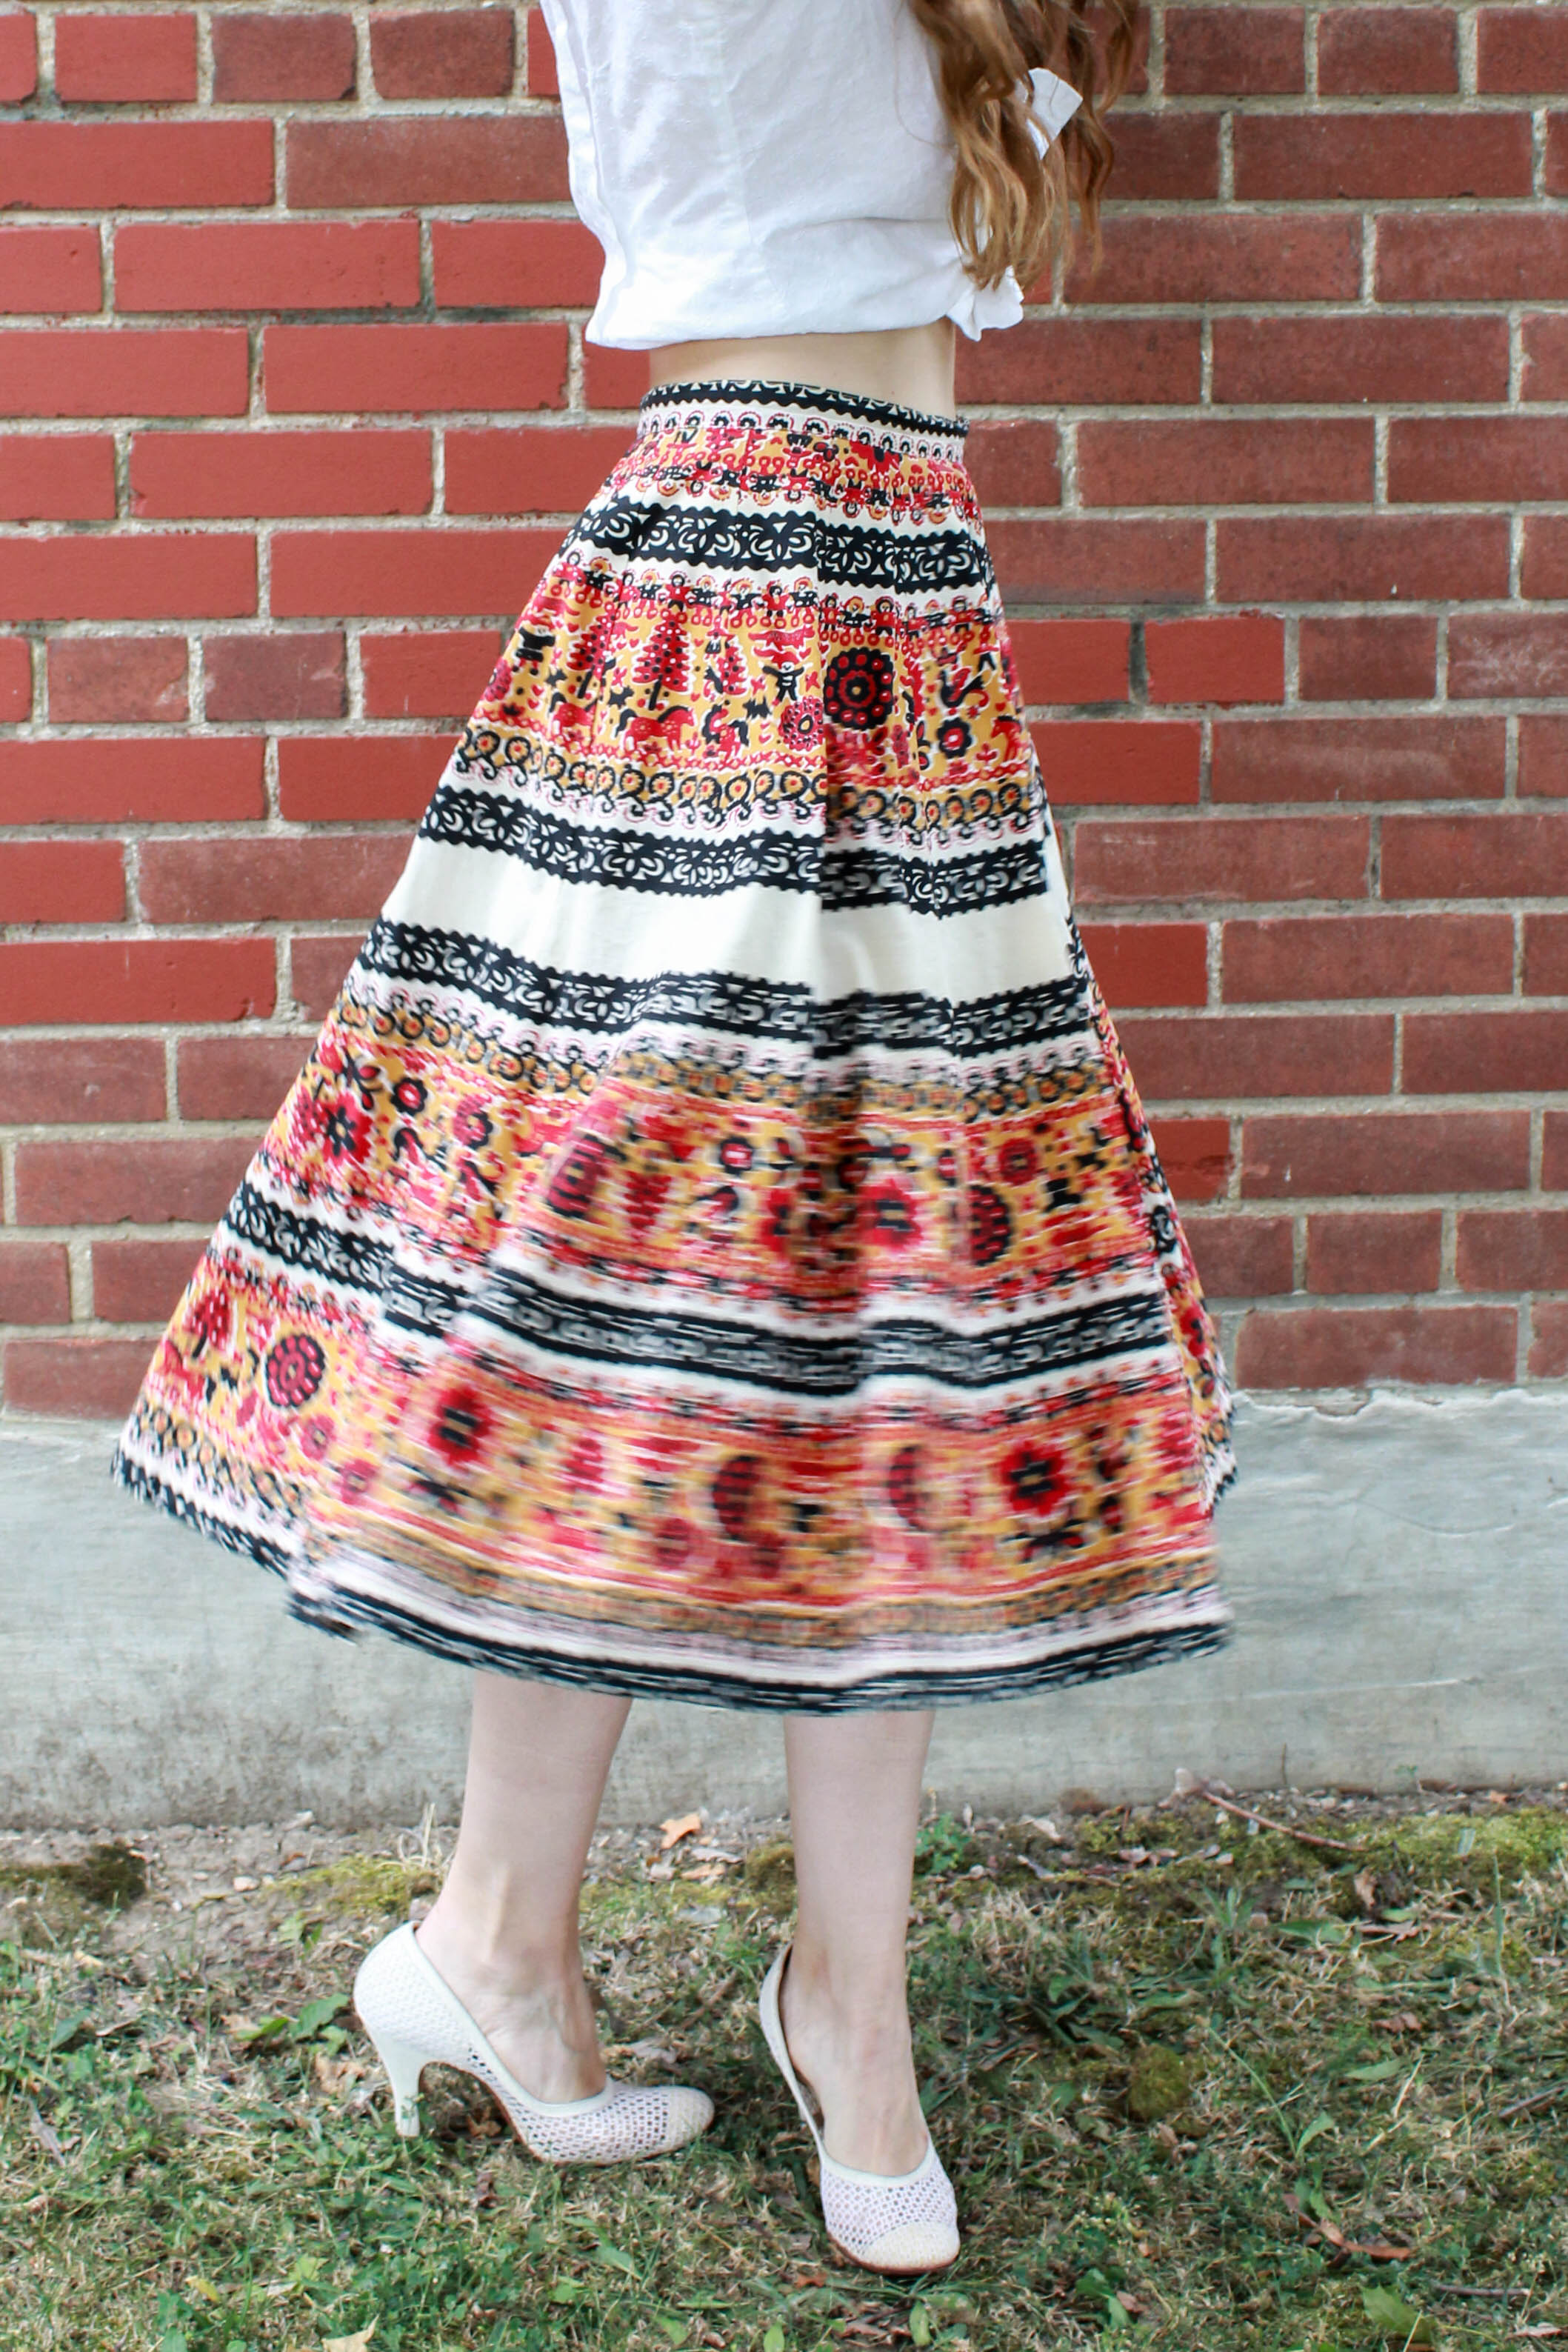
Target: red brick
<point>144,1181</point>
<point>282,55</point>
<point>1379,52</point>
<point>237,1078</point>
<point>35,1282</point>
<point>1225,659</point>
<point>530,470</point>
<point>84,1380</point>
<point>150,56</point>
<point>18,56</point>
<point>123,371</point>
<point>1355,558</point>
<point>266,266</point>
<point>66,1081</point>
<point>1546,955</point>
<point>442,53</point>
<point>1548,1358</point>
<point>1341,360</point>
<point>467,573</point>
<point>1374,1252</point>
<point>328,877</point>
<point>1506,654</point>
<point>1556,175</point>
<point>1253,52</point>
<point>1103,762</point>
<point>1544,572</point>
<point>1149,963</point>
<point>1543,756</point>
<point>1513,1249</point>
<point>1306,158</point>
<point>151,779</point>
<point>1242,1257</point>
<point>471,159</point>
<point>16,679</point>
<point>1545,375</point>
<point>281,473</point>
<point>1368,658</point>
<point>145,579</point>
<point>1223,257</point>
<point>106,681</point>
<point>1329,1347</point>
<point>1012,462</point>
<point>1080,362</point>
<point>1521,1051</point>
<point>1477,460</point>
<point>613,379</point>
<point>1195,1156</point>
<point>57,477</point>
<point>1318,957</point>
<point>376,369</point>
<point>317,967</point>
<point>62,882</point>
<point>279,676</point>
<point>1516,854</point>
<point>142,1281</point>
<point>1259,858</point>
<point>1163,157</point>
<point>1072,661</point>
<point>514,265</point>
<point>345,778</point>
<point>1061,560</point>
<point>1488,256</point>
<point>52,269</point>
<point>1226,462</point>
<point>1342,1154</point>
<point>1523,49</point>
<point>1404,758</point>
<point>1254,1056</point>
<point>1554,1154</point>
<point>76,167</point>
<point>427,673</point>
<point>544,80</point>
<point>48,983</point>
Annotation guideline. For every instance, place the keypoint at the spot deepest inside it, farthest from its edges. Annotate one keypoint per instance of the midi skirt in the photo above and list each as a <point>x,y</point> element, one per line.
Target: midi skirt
<point>714,1250</point>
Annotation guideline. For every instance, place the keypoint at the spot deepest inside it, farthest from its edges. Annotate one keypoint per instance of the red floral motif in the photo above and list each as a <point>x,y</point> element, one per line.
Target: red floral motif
<point>471,1124</point>
<point>584,1465</point>
<point>345,1129</point>
<point>1017,1162</point>
<point>294,1370</point>
<point>857,688</point>
<point>316,1437</point>
<point>991,1225</point>
<point>734,1492</point>
<point>891,1216</point>
<point>575,1182</point>
<point>906,1486</point>
<point>211,1317</point>
<point>461,1423</point>
<point>410,1095</point>
<point>735,1154</point>
<point>1036,1479</point>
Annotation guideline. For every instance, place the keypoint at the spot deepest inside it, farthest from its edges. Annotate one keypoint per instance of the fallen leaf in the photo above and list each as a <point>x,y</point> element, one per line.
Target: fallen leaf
<point>1046,1827</point>
<point>679,1826</point>
<point>45,2134</point>
<point>360,2343</point>
<point>484,2190</point>
<point>1366,1888</point>
<point>1392,2317</point>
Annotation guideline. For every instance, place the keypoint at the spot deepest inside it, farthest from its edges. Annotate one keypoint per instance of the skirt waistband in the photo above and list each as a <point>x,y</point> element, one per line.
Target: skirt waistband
<point>816,410</point>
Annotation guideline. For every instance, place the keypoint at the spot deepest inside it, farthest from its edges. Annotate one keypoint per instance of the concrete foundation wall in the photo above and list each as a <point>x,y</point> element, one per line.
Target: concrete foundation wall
<point>1399,1570</point>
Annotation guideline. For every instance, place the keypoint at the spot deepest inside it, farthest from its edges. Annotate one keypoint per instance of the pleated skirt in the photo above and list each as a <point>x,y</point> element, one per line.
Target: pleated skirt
<point>714,1249</point>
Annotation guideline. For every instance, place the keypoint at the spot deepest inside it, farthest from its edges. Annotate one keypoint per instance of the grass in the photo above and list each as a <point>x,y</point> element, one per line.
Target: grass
<point>1199,2085</point>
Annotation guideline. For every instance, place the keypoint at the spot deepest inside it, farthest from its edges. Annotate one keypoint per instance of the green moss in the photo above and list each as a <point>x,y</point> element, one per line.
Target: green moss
<point>770,1873</point>
<point>111,1876</point>
<point>1477,1852</point>
<point>1160,2084</point>
<point>361,1883</point>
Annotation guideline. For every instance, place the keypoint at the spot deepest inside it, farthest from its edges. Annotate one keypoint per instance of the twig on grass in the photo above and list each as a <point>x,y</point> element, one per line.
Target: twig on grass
<point>1282,1828</point>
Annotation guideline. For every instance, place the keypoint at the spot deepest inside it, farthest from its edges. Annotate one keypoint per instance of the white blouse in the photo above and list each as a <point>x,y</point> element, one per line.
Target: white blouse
<point>768,167</point>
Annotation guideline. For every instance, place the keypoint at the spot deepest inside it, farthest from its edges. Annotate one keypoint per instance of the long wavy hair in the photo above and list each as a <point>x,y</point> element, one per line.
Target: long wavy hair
<point>1012,208</point>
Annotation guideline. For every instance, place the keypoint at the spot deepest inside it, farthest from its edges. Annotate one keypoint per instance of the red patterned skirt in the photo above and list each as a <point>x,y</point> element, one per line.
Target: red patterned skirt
<point>714,1249</point>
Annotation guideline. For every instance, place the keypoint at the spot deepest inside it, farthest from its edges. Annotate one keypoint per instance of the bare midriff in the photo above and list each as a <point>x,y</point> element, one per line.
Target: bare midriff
<point>911,365</point>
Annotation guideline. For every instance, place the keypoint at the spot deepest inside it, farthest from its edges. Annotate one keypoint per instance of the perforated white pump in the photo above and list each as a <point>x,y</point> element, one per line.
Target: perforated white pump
<point>415,2020</point>
<point>898,2222</point>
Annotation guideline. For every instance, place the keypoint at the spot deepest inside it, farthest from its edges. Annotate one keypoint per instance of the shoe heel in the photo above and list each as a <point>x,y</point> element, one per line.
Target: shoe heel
<point>403,2063</point>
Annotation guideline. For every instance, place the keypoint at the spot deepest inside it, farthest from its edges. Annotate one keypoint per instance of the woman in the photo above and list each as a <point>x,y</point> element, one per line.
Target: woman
<point>714,1250</point>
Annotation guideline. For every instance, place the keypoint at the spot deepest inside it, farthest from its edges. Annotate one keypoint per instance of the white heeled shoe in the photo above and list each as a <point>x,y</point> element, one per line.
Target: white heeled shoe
<point>900,2223</point>
<point>415,2020</point>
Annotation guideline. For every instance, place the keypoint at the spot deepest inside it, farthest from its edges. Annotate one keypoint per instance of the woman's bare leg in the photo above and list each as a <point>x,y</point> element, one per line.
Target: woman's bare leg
<point>854,1794</point>
<point>502,1931</point>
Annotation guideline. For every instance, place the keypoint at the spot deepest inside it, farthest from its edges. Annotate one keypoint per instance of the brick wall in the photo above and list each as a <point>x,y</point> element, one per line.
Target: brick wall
<point>295,402</point>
